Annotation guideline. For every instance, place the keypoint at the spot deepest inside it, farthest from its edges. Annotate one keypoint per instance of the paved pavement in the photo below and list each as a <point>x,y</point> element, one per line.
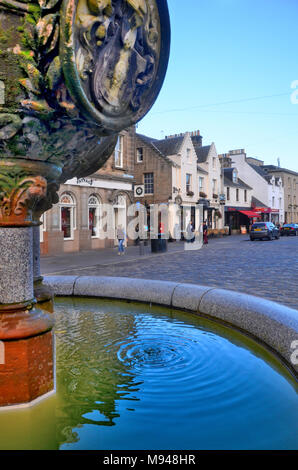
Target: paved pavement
<point>267,269</point>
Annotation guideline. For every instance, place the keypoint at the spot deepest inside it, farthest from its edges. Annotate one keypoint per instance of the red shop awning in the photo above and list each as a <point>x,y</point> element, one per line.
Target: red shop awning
<point>250,213</point>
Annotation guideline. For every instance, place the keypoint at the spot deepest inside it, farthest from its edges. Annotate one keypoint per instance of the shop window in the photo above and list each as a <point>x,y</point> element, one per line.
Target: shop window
<point>67,215</point>
<point>94,215</point>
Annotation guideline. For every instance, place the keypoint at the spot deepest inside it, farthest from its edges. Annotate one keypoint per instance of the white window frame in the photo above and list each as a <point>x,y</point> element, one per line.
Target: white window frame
<point>201,184</point>
<point>188,186</point>
<point>119,152</point>
<point>140,160</point>
<point>149,173</point>
<point>72,206</point>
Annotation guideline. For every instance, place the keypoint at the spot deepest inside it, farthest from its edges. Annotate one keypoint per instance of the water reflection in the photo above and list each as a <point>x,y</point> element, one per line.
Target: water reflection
<point>132,376</point>
<point>90,377</point>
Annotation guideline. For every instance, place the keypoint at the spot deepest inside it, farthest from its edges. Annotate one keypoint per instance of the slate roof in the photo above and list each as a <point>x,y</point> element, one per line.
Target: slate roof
<point>274,168</point>
<point>170,146</point>
<point>228,180</point>
<point>202,152</point>
<point>256,203</point>
<point>259,170</point>
<point>154,144</point>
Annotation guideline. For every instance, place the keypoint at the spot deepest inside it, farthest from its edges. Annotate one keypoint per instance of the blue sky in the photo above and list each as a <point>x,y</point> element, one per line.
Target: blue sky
<point>231,67</point>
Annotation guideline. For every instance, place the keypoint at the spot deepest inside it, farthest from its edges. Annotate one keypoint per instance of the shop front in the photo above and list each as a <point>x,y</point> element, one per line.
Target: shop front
<point>238,218</point>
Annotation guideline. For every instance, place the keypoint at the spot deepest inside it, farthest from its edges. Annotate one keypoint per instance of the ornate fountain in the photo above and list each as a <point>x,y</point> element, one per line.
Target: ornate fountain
<point>73,73</point>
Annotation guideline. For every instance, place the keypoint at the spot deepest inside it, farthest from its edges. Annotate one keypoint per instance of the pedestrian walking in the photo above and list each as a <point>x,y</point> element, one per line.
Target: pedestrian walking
<point>189,232</point>
<point>121,238</point>
<point>205,233</point>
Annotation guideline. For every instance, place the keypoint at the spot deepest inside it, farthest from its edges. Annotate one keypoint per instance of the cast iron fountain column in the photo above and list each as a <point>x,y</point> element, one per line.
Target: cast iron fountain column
<point>73,74</point>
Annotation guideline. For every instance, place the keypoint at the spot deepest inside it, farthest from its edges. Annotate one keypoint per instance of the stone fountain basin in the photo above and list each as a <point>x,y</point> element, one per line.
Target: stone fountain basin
<point>271,324</point>
<point>135,358</point>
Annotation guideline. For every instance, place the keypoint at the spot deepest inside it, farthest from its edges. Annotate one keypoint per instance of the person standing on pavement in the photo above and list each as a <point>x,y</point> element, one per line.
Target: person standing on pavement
<point>121,238</point>
<point>189,232</point>
<point>205,233</point>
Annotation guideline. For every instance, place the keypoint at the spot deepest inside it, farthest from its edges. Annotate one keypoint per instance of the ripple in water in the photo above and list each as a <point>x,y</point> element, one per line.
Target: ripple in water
<point>134,377</point>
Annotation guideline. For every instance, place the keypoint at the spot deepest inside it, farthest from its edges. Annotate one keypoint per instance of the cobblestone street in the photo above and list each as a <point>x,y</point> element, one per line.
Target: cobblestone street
<point>267,269</point>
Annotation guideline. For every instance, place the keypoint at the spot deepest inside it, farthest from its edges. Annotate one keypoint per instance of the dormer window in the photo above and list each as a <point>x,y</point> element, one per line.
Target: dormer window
<point>235,176</point>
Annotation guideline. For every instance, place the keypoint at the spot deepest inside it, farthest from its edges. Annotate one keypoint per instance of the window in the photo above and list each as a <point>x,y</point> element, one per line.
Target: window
<point>149,183</point>
<point>188,154</point>
<point>273,201</point>
<point>201,184</point>
<point>140,155</point>
<point>214,186</point>
<point>228,193</point>
<point>245,195</point>
<point>235,179</point>
<point>213,162</point>
<point>94,215</point>
<point>119,152</point>
<point>67,215</point>
<point>188,182</point>
<point>237,194</point>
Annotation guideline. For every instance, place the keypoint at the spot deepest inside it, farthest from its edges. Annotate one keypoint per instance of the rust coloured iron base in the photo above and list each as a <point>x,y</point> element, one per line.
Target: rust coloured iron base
<point>27,371</point>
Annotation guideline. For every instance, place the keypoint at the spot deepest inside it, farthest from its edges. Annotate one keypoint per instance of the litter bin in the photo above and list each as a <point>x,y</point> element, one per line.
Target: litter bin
<point>159,245</point>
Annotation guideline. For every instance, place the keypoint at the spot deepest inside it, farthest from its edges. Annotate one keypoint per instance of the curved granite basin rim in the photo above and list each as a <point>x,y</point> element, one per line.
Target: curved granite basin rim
<point>273,324</point>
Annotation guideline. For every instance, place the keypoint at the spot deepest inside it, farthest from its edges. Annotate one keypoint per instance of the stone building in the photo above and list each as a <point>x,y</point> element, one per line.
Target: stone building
<point>262,191</point>
<point>275,188</point>
<point>238,196</point>
<point>178,172</point>
<point>290,185</point>
<point>211,184</point>
<point>78,221</point>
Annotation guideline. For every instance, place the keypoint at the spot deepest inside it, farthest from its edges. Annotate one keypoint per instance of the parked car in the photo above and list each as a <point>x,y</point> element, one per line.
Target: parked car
<point>289,229</point>
<point>262,230</point>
